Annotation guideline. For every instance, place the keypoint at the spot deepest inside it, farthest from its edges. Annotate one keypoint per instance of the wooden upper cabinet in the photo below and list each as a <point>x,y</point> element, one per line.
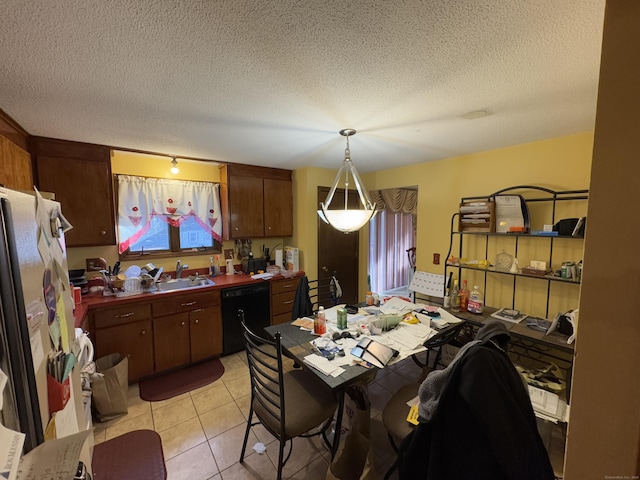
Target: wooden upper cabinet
<point>15,166</point>
<point>256,202</point>
<point>278,208</point>
<point>15,161</point>
<point>80,176</point>
<point>245,207</point>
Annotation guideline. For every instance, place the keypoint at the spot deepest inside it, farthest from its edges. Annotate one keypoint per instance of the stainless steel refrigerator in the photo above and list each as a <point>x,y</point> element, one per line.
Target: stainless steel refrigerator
<point>36,317</point>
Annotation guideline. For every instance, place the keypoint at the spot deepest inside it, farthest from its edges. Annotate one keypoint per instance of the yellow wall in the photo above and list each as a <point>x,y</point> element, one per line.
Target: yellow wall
<point>560,164</point>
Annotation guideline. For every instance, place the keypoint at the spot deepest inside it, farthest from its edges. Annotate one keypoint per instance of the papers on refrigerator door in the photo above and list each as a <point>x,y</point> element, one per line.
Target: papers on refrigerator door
<point>54,458</point>
<point>10,449</point>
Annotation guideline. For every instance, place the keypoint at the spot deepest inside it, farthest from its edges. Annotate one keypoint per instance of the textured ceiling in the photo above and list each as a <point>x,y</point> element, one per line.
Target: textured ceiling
<point>271,82</point>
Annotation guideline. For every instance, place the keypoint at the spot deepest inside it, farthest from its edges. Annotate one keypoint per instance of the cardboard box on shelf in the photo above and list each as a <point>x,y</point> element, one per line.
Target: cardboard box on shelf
<point>292,258</point>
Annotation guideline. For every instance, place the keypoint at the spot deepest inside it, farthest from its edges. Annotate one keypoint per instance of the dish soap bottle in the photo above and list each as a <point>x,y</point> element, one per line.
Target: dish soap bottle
<point>320,322</point>
<point>476,301</point>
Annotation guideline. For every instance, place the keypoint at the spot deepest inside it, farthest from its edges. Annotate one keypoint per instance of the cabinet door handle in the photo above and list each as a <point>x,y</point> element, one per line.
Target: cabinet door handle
<point>143,332</point>
<point>289,285</point>
<point>182,324</point>
<point>103,232</point>
<point>188,304</point>
<point>124,315</point>
<point>197,321</point>
<point>286,303</point>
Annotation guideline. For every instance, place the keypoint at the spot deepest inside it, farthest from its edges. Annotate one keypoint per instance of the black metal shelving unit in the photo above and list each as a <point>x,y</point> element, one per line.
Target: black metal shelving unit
<point>530,194</point>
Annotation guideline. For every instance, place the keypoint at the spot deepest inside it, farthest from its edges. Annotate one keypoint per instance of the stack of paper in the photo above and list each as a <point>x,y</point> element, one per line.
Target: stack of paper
<point>323,365</point>
<point>547,405</point>
<point>397,305</point>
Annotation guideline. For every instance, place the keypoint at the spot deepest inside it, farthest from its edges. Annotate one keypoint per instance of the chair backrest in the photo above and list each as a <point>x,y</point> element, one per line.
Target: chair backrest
<point>264,358</point>
<point>444,337</point>
<point>325,292</point>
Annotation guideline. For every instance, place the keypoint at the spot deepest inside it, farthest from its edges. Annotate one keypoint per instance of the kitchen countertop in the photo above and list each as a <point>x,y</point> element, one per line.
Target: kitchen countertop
<point>98,300</point>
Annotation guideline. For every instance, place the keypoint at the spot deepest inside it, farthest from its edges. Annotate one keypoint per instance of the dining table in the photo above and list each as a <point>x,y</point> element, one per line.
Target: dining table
<point>354,377</point>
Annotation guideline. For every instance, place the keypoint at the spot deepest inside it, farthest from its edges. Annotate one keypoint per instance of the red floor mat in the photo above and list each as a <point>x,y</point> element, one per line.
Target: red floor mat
<point>134,455</point>
<point>180,381</point>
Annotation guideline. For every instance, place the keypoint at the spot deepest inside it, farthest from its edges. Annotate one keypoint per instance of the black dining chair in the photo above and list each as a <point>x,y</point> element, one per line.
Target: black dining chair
<point>394,414</point>
<point>288,403</point>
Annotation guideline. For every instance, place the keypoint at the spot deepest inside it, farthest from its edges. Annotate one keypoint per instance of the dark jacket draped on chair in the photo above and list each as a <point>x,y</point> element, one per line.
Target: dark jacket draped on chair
<point>302,306</point>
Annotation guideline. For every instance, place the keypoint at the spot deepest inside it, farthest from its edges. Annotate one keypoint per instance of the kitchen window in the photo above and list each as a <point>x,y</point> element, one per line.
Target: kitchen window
<point>160,216</point>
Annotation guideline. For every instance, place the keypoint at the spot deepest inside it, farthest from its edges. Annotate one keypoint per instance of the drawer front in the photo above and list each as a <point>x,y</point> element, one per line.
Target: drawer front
<point>282,303</point>
<point>109,317</point>
<point>286,285</point>
<point>282,318</point>
<point>185,303</point>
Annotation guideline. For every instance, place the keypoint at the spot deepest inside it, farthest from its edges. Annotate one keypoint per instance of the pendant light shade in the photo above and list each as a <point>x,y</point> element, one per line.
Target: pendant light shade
<point>347,219</point>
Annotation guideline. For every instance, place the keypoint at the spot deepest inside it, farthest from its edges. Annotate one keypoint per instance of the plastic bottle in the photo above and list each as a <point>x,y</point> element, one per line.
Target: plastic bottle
<point>216,264</point>
<point>454,298</point>
<point>464,296</point>
<point>320,323</point>
<point>476,300</point>
<point>447,300</point>
<point>369,298</point>
<point>212,268</point>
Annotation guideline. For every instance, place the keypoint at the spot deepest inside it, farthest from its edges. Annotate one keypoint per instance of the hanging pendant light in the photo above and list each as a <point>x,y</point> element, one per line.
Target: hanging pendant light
<point>347,219</point>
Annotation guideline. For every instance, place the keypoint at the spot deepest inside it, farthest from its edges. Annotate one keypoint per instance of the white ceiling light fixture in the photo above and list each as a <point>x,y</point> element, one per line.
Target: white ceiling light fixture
<point>174,166</point>
<point>347,219</point>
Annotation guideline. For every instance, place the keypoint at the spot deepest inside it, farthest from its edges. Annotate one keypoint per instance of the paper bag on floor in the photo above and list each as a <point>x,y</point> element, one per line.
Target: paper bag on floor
<point>350,462</point>
<point>110,385</point>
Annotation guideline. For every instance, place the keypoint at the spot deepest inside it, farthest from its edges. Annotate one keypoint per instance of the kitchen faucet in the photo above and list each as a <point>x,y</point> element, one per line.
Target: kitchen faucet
<point>180,268</point>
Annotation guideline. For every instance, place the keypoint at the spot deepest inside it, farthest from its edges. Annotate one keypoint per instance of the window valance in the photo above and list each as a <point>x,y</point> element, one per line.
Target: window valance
<point>396,200</point>
<point>173,201</point>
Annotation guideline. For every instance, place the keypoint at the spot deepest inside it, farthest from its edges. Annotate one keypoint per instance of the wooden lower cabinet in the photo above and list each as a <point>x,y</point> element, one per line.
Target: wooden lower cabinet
<point>283,294</point>
<point>160,333</point>
<point>171,341</point>
<point>134,340</point>
<point>205,330</point>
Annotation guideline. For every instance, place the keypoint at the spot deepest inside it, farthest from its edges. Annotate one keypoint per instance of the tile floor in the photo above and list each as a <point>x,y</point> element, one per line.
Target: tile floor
<point>202,431</point>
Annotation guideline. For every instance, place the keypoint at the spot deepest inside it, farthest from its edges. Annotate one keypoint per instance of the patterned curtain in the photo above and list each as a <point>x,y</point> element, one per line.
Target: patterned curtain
<point>392,233</point>
<point>173,201</point>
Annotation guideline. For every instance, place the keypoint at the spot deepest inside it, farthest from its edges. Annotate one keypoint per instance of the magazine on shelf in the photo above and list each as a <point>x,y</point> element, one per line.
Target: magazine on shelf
<point>509,315</point>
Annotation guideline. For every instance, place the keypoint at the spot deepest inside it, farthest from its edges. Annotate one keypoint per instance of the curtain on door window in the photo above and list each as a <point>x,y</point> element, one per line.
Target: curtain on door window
<point>173,201</point>
<point>392,233</point>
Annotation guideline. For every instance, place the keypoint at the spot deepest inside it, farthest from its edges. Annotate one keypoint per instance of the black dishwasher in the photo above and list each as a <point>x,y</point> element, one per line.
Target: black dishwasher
<point>254,300</point>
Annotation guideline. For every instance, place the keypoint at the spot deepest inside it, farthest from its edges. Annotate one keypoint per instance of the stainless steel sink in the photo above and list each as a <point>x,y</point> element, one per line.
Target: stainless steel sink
<point>184,284</point>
